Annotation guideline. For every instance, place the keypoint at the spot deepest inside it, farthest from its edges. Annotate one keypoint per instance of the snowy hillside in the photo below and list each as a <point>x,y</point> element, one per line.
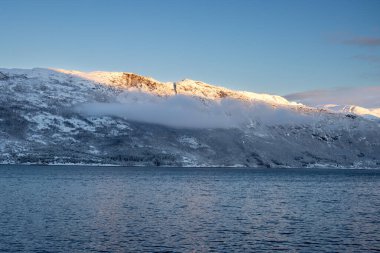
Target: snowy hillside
<point>185,87</point>
<point>52,116</point>
<point>364,101</point>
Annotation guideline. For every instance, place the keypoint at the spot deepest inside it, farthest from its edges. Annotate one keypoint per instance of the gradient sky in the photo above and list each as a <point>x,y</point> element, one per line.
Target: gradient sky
<point>263,46</point>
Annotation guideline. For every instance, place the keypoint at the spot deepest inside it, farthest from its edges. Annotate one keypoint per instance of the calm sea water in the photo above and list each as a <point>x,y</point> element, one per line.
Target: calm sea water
<point>110,209</point>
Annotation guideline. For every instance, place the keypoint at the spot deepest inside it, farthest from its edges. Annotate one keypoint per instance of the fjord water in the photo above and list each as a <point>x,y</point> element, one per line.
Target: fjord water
<point>116,209</point>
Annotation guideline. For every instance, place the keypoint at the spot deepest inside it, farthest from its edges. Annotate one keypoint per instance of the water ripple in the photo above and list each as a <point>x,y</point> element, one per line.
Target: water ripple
<point>94,209</point>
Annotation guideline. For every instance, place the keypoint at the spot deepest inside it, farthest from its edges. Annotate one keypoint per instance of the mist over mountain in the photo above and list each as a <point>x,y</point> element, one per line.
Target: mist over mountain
<point>55,116</point>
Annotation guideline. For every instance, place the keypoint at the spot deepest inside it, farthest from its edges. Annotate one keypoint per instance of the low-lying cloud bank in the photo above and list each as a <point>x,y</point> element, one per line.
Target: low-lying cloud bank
<point>187,112</point>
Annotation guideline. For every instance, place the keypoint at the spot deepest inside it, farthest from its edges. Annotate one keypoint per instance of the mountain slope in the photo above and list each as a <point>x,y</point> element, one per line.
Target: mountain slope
<point>187,87</point>
<point>56,116</point>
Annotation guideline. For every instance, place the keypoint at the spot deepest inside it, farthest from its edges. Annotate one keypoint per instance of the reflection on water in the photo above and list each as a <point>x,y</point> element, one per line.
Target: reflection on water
<point>92,209</point>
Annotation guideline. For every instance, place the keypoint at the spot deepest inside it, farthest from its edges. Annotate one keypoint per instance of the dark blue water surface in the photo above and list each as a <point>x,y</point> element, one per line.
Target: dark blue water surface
<point>115,209</point>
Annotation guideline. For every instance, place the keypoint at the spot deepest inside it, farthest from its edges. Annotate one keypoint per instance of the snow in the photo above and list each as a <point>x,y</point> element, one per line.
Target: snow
<point>47,121</point>
<point>74,83</point>
<point>201,125</point>
<point>190,142</point>
<point>185,87</point>
<point>363,101</point>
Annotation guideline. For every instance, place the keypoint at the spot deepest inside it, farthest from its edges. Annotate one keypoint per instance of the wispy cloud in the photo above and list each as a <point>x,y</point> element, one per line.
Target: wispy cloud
<point>362,96</point>
<point>363,41</point>
<point>368,58</point>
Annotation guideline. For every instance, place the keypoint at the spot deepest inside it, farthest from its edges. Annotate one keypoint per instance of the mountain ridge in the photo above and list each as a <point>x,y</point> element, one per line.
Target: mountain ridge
<point>50,117</point>
<point>184,87</point>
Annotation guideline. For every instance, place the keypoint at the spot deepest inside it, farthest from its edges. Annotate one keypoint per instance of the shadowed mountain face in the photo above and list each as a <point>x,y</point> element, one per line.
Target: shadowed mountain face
<point>58,116</point>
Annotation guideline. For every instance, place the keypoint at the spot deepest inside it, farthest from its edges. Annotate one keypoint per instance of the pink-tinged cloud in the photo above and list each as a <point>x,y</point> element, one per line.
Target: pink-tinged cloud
<point>368,97</point>
<point>363,41</point>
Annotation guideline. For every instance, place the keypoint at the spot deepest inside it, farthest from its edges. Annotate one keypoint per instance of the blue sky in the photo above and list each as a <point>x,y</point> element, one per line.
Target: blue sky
<point>263,46</point>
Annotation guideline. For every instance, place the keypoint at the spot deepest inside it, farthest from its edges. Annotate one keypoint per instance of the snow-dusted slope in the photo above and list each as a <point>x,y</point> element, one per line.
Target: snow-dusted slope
<point>185,87</point>
<point>364,101</point>
<point>58,116</point>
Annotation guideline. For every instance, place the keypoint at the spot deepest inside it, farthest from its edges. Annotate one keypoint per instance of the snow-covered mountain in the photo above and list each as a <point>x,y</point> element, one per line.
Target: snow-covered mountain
<point>54,116</point>
<point>131,81</point>
<point>364,101</point>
